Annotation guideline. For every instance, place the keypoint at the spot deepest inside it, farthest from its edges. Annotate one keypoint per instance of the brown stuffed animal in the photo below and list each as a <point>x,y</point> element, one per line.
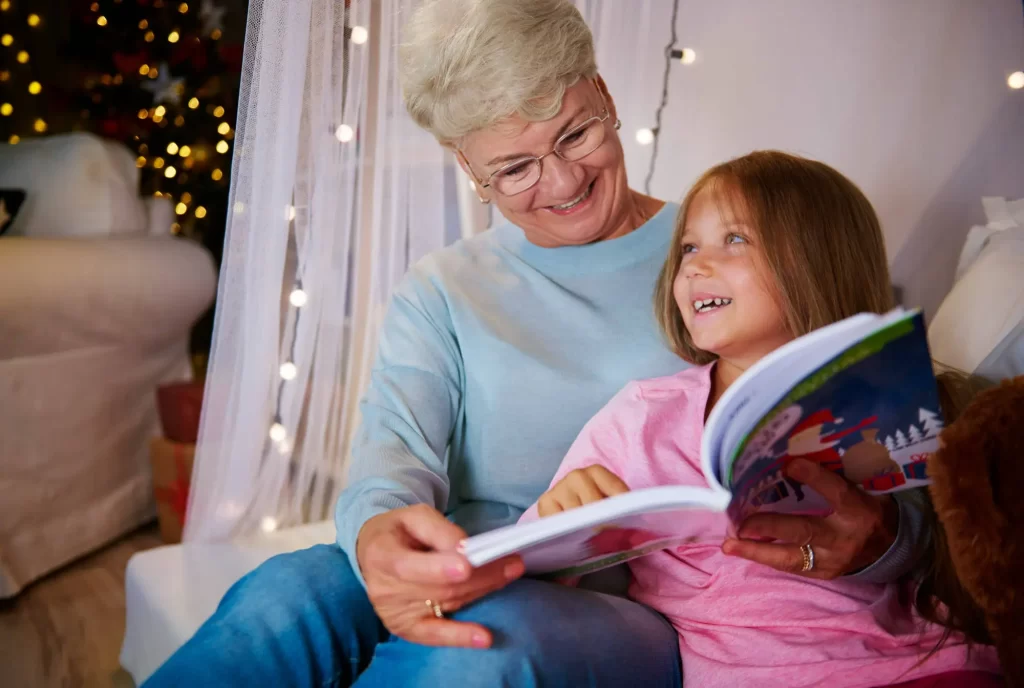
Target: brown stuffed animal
<point>978,494</point>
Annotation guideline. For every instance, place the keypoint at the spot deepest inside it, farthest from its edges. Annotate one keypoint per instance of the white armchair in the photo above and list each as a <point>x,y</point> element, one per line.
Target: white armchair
<point>96,303</point>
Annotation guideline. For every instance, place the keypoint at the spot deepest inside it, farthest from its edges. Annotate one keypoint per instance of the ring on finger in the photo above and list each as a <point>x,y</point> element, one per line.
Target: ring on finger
<point>808,553</point>
<point>435,608</point>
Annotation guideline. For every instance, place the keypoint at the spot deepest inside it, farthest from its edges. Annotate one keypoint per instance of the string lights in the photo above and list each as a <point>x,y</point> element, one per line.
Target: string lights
<point>18,112</point>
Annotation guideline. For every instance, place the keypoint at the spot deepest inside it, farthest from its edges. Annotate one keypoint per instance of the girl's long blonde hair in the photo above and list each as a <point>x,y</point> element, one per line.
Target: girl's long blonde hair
<point>824,249</point>
<point>821,240</point>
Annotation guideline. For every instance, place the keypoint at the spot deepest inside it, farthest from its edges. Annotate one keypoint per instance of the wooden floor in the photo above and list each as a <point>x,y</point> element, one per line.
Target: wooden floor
<point>66,629</point>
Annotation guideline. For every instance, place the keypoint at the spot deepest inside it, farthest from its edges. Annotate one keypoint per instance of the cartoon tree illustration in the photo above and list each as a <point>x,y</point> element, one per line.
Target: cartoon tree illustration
<point>931,423</point>
<point>915,434</point>
<point>901,439</point>
<point>890,444</point>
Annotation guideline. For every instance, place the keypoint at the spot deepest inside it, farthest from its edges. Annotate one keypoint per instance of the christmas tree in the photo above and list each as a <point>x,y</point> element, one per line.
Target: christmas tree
<point>23,41</point>
<point>162,78</point>
<point>914,434</point>
<point>931,423</point>
<point>901,439</point>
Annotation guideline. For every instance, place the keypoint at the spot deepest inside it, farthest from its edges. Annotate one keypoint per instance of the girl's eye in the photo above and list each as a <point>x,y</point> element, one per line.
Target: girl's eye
<point>735,239</point>
<point>689,248</point>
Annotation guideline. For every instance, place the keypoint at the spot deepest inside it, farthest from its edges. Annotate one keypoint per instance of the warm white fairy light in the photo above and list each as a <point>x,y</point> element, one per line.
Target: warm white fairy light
<point>359,35</point>
<point>344,133</point>
<point>645,137</point>
<point>288,370</point>
<point>298,297</point>
<point>278,433</point>
<point>268,524</point>
<point>1016,80</point>
<point>688,57</point>
<point>290,212</point>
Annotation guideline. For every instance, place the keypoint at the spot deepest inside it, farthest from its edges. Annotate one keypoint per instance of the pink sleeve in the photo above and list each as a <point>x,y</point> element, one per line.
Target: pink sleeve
<point>606,440</point>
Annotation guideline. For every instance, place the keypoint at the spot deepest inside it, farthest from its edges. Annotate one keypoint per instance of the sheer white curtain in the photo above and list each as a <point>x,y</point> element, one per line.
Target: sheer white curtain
<point>335,192</point>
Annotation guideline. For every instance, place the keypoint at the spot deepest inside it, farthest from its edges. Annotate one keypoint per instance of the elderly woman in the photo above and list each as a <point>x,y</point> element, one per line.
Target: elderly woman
<point>493,355</point>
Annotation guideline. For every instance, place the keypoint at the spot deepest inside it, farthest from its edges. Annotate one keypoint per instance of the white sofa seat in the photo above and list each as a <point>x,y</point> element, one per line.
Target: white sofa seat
<point>170,591</point>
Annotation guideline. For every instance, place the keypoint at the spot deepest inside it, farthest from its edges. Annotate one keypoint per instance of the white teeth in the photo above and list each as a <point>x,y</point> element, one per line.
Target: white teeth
<point>582,197</point>
<point>705,305</point>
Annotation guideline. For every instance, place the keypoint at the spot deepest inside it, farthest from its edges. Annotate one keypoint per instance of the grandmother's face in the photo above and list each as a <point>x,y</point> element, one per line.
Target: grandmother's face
<point>596,183</point>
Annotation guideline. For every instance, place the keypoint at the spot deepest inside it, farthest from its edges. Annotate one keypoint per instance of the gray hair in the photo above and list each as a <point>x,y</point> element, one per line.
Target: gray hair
<point>468,64</point>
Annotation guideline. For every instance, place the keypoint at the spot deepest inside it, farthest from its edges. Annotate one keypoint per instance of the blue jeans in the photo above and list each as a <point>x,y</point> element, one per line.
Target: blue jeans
<point>303,619</point>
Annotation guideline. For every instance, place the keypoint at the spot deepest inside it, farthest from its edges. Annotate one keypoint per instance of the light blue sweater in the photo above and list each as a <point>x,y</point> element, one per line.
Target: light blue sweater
<point>493,355</point>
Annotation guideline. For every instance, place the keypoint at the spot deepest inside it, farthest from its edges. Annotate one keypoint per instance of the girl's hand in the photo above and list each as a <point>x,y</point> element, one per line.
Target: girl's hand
<point>860,529</point>
<point>581,486</point>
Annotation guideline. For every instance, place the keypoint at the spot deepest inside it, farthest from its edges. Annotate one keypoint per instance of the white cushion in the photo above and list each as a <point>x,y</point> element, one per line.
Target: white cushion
<point>170,591</point>
<point>77,185</point>
<point>985,308</point>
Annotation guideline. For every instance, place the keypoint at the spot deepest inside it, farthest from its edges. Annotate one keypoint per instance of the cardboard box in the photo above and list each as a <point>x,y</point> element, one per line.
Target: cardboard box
<point>172,476</point>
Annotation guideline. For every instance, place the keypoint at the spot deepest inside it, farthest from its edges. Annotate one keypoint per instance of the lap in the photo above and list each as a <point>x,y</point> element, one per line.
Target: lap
<point>544,635</point>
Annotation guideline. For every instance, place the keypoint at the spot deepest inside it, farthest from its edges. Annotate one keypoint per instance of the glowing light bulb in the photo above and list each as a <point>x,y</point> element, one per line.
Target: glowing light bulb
<point>298,298</point>
<point>172,148</point>
<point>288,370</point>
<point>291,213</point>
<point>200,212</point>
<point>344,133</point>
<point>170,171</point>
<point>7,40</point>
<point>278,432</point>
<point>217,175</point>
<point>218,111</point>
<point>185,151</point>
<point>6,109</point>
<point>33,20</point>
<point>40,126</point>
<point>101,20</point>
<point>223,128</point>
<point>645,137</point>
<point>34,88</point>
<point>173,37</point>
<point>193,103</point>
<point>268,524</point>
<point>181,208</point>
<point>1016,80</point>
<point>359,35</point>
<point>222,147</point>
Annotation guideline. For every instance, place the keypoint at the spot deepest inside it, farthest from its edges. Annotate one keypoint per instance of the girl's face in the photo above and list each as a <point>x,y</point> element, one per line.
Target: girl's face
<point>724,288</point>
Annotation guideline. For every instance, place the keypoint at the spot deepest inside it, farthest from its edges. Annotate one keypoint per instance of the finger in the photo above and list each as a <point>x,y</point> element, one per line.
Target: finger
<point>787,558</point>
<point>569,500</point>
<point>588,491</point>
<point>448,633</point>
<point>609,483</point>
<point>799,530</point>
<point>485,580</point>
<point>836,490</point>
<point>430,527</point>
<point>427,568</point>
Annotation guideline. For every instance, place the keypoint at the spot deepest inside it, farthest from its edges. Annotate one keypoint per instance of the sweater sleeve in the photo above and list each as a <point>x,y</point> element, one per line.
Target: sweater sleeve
<point>912,536</point>
<point>399,454</point>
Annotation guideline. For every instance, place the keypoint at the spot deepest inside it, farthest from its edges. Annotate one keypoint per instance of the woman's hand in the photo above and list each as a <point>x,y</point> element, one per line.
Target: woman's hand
<point>860,529</point>
<point>408,556</point>
<point>581,486</point>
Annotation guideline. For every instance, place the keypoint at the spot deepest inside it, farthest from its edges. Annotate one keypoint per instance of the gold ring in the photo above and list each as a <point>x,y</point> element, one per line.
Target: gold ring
<point>435,607</point>
<point>808,553</point>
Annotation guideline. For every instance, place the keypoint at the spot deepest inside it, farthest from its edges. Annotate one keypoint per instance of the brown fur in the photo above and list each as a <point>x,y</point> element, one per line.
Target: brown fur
<point>978,494</point>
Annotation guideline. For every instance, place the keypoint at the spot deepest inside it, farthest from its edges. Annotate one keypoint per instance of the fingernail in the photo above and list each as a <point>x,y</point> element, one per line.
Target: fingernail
<point>455,571</point>
<point>513,570</point>
<point>480,640</point>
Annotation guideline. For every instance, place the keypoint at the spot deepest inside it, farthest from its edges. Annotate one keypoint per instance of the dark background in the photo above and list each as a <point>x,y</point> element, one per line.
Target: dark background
<point>159,76</point>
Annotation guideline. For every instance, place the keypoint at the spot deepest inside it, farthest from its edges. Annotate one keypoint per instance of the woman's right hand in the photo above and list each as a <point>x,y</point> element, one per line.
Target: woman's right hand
<point>408,556</point>
<point>579,487</point>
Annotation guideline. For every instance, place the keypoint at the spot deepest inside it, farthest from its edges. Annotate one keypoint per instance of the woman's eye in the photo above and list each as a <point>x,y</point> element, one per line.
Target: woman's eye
<point>515,171</point>
<point>574,138</point>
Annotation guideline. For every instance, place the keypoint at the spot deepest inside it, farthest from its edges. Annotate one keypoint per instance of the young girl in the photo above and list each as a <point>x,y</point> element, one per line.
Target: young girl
<point>767,247</point>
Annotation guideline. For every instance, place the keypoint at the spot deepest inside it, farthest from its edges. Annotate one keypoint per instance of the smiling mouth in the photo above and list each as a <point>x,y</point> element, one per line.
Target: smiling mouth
<point>708,305</point>
<point>576,201</point>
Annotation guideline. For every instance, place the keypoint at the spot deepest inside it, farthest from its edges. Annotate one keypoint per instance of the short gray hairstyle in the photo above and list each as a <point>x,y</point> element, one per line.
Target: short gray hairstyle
<point>468,64</point>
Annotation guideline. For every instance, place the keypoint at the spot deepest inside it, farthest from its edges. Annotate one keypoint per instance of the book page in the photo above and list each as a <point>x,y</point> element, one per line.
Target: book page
<point>871,415</point>
<point>607,532</point>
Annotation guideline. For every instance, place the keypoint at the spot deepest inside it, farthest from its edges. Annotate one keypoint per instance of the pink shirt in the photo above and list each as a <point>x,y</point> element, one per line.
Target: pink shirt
<point>742,623</point>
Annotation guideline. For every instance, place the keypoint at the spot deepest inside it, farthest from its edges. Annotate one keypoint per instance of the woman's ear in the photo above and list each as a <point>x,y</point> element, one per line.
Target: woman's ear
<point>602,88</point>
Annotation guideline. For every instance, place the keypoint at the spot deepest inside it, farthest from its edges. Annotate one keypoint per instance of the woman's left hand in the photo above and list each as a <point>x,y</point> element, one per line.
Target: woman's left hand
<point>860,529</point>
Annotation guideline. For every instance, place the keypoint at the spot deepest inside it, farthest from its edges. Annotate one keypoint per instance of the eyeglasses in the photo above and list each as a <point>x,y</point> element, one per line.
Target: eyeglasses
<point>575,144</point>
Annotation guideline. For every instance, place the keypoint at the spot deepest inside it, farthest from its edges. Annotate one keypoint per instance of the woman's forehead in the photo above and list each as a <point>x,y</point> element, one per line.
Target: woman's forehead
<point>515,135</point>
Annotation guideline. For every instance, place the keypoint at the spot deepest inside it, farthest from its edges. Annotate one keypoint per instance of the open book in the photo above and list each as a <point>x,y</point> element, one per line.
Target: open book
<point>858,397</point>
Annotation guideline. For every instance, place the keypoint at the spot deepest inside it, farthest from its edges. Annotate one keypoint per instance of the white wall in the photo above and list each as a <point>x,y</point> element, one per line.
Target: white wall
<point>907,97</point>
